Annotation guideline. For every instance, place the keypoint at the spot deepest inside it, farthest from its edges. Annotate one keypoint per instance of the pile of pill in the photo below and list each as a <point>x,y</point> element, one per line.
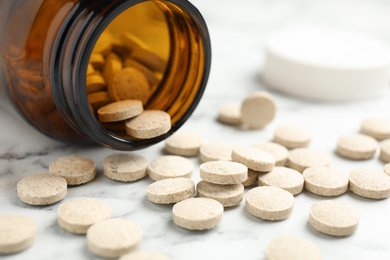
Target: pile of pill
<point>123,73</point>
<point>279,170</point>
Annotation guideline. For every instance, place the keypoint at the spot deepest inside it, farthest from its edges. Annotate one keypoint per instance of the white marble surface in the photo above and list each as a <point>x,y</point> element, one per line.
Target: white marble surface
<point>237,29</point>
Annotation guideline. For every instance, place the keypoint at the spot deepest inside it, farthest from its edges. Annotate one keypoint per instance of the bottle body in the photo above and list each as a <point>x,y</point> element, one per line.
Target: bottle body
<point>46,46</point>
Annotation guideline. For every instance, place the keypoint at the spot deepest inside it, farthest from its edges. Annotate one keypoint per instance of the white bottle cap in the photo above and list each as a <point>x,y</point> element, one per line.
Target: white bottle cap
<point>326,64</point>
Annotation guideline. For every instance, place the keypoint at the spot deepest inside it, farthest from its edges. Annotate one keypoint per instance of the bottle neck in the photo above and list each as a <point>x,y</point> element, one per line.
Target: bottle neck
<point>188,67</point>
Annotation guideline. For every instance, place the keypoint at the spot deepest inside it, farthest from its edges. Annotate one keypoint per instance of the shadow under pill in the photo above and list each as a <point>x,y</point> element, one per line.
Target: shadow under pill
<point>316,233</point>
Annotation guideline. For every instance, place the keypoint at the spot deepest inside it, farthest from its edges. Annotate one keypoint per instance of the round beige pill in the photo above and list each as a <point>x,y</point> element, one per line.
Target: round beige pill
<point>230,114</point>
<point>370,183</point>
<point>184,143</point>
<point>385,151</point>
<point>278,151</point>
<point>120,110</point>
<point>170,166</point>
<point>387,169</point>
<point>325,181</point>
<point>17,233</point>
<point>77,215</point>
<point>334,218</point>
<point>379,128</point>
<point>285,178</point>
<point>292,136</point>
<point>269,203</point>
<point>149,124</point>
<point>357,146</point>
<point>258,110</point>
<point>144,256</point>
<point>254,158</point>
<point>303,158</point>
<point>114,237</point>
<point>228,195</point>
<point>252,178</point>
<point>42,189</point>
<point>125,166</point>
<point>223,172</point>
<point>197,213</point>
<point>170,190</point>
<point>292,248</point>
<point>74,169</point>
<point>216,151</point>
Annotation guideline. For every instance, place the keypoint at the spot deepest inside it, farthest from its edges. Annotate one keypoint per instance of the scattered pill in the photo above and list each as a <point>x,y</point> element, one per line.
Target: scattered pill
<point>170,166</point>
<point>144,256</point>
<point>149,124</point>
<point>269,203</point>
<point>17,233</point>
<point>303,158</point>
<point>114,237</point>
<point>42,189</point>
<point>171,190</point>
<point>216,151</point>
<point>120,110</point>
<point>125,166</point>
<point>230,114</point>
<point>334,218</point>
<point>325,181</point>
<point>357,146</point>
<point>258,110</point>
<point>370,183</point>
<point>74,169</point>
<point>379,128</point>
<point>184,143</point>
<point>292,136</point>
<point>292,248</point>
<point>254,158</point>
<point>278,151</point>
<point>285,178</point>
<point>223,172</point>
<point>385,151</point>
<point>197,213</point>
<point>252,178</point>
<point>387,169</point>
<point>228,195</point>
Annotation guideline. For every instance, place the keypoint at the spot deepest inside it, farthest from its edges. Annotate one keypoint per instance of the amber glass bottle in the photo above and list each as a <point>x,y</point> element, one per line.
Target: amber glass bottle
<point>45,47</point>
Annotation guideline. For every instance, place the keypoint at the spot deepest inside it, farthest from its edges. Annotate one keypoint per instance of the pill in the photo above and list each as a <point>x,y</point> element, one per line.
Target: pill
<point>90,70</point>
<point>132,42</point>
<point>223,172</point>
<point>95,83</point>
<point>293,248</point>
<point>171,190</point>
<point>357,146</point>
<point>252,178</point>
<point>269,203</point>
<point>120,110</point>
<point>302,158</point>
<point>216,151</point>
<point>150,59</point>
<point>285,178</point>
<point>370,183</point>
<point>144,256</point>
<point>197,213</point>
<point>103,44</point>
<point>325,181</point>
<point>334,218</point>
<point>149,124</point>
<point>254,158</point>
<point>230,114</point>
<point>258,110</point>
<point>385,151</point>
<point>228,195</point>
<point>379,128</point>
<point>129,83</point>
<point>112,66</point>
<point>42,189</point>
<point>17,233</point>
<point>74,169</point>
<point>98,99</point>
<point>114,237</point>
<point>292,136</point>
<point>77,215</point>
<point>150,76</point>
<point>125,166</point>
<point>184,143</point>
<point>387,169</point>
<point>97,61</point>
<point>279,152</point>
<point>170,166</point>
